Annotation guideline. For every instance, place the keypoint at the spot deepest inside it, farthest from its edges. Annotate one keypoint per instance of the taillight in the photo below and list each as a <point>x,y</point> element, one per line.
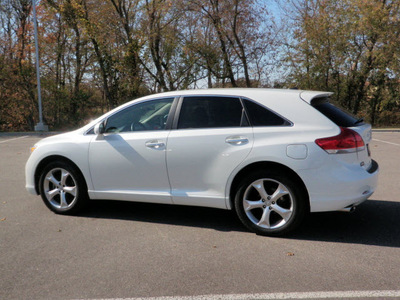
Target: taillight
<point>348,141</point>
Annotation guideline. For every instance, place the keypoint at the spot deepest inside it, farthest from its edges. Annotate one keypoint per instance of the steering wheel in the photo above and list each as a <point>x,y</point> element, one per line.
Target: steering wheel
<point>137,126</point>
<point>111,130</point>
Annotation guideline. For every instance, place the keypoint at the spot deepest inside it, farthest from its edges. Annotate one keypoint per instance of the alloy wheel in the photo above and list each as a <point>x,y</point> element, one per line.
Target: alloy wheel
<point>60,189</point>
<point>268,203</point>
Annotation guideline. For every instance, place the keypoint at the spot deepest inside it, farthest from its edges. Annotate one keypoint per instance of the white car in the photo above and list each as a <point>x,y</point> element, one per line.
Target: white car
<point>271,155</point>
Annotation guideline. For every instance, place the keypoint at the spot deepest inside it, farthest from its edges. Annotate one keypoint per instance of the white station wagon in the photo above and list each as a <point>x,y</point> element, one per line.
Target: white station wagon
<point>270,155</point>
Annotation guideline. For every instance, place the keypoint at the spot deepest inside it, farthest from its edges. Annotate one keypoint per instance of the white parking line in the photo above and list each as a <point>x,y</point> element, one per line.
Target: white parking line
<point>386,142</point>
<point>267,296</point>
<point>8,140</point>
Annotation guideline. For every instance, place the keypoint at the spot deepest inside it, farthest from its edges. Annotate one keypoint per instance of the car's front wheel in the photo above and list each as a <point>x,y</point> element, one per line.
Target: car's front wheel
<point>269,203</point>
<point>63,188</point>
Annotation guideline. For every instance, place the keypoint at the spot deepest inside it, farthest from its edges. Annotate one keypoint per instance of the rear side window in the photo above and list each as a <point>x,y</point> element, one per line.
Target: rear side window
<point>210,112</point>
<point>335,114</point>
<point>261,116</point>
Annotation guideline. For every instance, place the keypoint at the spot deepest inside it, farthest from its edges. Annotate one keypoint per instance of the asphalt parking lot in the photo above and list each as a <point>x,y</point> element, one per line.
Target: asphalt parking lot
<point>131,250</point>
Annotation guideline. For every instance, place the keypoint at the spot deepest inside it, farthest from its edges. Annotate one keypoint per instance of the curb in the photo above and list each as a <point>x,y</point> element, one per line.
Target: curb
<point>30,133</point>
<point>386,130</point>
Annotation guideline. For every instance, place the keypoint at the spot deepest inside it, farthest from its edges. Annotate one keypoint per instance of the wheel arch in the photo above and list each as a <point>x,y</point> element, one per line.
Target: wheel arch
<point>269,165</point>
<point>44,162</point>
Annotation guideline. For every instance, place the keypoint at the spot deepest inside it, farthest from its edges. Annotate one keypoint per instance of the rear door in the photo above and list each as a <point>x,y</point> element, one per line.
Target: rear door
<point>211,137</point>
<point>364,156</point>
<point>344,119</point>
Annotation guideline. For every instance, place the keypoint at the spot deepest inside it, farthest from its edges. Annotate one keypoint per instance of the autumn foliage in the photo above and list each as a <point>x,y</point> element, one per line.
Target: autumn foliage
<point>97,54</point>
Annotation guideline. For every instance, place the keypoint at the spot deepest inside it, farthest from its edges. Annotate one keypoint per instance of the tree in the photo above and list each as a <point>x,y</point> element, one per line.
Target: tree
<point>242,31</point>
<point>18,99</point>
<point>348,47</point>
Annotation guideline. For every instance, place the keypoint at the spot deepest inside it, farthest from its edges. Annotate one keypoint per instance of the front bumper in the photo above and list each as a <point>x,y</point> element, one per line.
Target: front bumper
<point>30,168</point>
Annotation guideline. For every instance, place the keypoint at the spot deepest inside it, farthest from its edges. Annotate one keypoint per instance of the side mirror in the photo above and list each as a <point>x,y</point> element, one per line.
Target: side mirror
<point>99,128</point>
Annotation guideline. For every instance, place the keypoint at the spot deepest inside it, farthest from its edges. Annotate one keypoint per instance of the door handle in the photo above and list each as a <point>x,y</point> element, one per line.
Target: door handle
<point>155,144</point>
<point>237,140</point>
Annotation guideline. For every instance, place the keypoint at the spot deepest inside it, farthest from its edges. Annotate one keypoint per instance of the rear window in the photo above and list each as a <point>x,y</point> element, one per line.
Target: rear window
<point>335,114</point>
<point>210,112</point>
<point>261,116</point>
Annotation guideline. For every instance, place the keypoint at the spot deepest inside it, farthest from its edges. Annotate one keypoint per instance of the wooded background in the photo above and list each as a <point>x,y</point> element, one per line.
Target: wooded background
<point>97,54</point>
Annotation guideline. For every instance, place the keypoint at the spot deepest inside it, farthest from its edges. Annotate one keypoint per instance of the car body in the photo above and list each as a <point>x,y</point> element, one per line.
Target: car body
<point>272,155</point>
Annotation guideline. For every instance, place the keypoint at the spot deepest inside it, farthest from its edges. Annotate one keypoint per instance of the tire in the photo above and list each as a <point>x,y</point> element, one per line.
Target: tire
<point>63,188</point>
<point>269,203</point>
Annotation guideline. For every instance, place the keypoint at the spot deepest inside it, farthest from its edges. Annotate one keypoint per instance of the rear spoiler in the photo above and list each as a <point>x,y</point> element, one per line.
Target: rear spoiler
<point>309,96</point>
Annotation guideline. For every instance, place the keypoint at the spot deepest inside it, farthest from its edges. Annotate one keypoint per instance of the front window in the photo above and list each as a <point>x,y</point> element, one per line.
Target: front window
<point>149,115</point>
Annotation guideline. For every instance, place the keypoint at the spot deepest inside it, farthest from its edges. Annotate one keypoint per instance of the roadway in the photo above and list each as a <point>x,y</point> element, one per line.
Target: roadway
<point>132,250</point>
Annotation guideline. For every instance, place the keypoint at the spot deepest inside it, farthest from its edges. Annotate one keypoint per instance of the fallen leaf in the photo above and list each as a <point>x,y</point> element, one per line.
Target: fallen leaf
<point>290,254</point>
<point>3,219</point>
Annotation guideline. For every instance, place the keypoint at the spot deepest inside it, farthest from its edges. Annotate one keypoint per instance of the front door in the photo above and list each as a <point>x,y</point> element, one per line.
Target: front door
<point>127,162</point>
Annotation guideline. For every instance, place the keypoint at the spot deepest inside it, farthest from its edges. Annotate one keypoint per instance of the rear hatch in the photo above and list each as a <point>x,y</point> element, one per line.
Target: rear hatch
<point>345,120</point>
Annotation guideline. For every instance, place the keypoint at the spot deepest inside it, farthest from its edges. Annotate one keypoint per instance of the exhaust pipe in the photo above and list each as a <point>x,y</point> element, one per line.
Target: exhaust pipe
<point>348,209</point>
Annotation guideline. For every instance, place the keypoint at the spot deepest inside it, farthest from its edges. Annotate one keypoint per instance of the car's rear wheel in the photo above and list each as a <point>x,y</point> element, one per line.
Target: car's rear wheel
<point>63,188</point>
<point>269,203</point>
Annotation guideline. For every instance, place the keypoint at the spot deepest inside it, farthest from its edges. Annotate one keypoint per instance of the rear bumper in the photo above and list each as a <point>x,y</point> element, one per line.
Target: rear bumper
<point>333,189</point>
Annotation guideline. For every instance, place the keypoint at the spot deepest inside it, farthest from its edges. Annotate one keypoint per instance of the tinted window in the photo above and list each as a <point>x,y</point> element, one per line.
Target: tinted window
<point>261,116</point>
<point>150,115</point>
<point>210,112</point>
<point>335,114</point>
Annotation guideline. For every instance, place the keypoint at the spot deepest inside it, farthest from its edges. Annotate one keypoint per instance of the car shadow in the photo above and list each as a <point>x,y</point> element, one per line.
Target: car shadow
<point>373,223</point>
<point>191,216</point>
